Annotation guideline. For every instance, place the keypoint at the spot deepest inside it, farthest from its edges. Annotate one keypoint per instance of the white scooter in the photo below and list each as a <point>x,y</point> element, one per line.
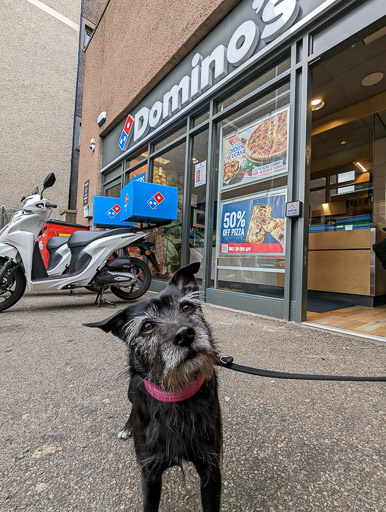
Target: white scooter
<point>21,263</point>
<point>60,259</point>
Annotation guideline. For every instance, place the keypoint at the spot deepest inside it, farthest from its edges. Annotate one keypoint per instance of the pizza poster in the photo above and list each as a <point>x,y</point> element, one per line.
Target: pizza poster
<point>253,226</point>
<point>257,151</point>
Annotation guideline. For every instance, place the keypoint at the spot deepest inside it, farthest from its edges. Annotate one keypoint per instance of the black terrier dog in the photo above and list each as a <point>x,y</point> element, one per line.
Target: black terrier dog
<point>175,413</point>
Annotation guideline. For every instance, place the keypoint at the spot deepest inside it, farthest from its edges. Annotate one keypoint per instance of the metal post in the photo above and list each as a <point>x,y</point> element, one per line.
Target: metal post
<point>301,175</point>
<point>210,195</point>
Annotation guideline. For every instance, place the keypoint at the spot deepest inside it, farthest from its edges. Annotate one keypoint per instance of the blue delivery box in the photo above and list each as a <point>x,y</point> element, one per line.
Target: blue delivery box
<point>107,213</point>
<point>142,201</point>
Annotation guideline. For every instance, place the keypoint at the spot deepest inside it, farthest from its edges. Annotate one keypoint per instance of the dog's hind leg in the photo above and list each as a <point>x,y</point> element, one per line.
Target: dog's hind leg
<point>151,489</point>
<point>210,477</point>
<point>127,430</point>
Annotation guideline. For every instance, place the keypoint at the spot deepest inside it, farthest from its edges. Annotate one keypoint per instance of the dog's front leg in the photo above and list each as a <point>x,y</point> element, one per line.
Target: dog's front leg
<point>127,430</point>
<point>151,488</point>
<point>210,477</point>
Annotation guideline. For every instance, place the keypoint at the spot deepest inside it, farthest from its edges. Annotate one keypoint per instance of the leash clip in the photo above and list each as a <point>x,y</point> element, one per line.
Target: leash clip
<point>226,360</point>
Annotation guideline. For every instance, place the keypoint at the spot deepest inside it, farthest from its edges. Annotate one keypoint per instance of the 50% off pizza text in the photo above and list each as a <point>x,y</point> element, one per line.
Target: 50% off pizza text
<point>234,223</point>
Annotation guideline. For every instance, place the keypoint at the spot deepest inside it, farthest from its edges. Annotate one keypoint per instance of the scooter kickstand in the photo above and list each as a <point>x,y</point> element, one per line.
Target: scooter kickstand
<point>100,301</point>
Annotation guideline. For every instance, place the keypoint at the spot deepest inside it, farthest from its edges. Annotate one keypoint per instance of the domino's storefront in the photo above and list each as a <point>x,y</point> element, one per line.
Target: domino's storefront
<point>231,127</point>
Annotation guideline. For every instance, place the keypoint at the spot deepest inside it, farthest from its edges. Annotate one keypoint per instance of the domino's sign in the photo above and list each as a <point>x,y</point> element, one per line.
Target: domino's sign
<point>125,132</point>
<point>114,211</point>
<point>108,212</point>
<point>156,200</point>
<point>268,20</point>
<point>139,202</point>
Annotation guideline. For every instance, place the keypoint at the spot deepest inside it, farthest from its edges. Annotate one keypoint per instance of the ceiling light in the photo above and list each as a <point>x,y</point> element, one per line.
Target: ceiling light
<point>162,161</point>
<point>376,35</point>
<point>317,104</point>
<point>372,79</point>
<point>360,166</point>
<point>343,142</point>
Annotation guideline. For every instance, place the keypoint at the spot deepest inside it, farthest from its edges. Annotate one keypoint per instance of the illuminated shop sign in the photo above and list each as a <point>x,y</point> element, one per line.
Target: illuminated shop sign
<point>275,16</point>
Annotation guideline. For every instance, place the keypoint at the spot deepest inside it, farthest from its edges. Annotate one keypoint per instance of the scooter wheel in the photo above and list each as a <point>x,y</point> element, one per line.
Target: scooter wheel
<point>143,275</point>
<point>12,286</point>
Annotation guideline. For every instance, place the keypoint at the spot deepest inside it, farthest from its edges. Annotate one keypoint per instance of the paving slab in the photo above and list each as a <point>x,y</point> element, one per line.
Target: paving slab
<point>288,445</point>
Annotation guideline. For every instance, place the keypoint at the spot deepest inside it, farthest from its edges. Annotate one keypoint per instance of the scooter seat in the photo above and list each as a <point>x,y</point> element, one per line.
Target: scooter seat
<point>56,241</point>
<point>82,238</point>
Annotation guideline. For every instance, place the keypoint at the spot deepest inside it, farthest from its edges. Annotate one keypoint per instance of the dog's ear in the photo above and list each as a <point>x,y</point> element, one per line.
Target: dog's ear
<point>184,277</point>
<point>112,324</point>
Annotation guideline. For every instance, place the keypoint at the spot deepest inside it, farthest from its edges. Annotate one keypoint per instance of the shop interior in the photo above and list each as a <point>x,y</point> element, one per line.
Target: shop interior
<point>346,279</point>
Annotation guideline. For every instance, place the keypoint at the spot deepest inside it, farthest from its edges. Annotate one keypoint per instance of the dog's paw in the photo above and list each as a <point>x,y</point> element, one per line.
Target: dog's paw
<point>125,433</point>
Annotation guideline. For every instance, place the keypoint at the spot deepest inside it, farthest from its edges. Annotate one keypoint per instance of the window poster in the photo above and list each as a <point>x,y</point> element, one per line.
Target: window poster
<point>200,174</point>
<point>139,174</point>
<point>253,226</point>
<point>257,151</point>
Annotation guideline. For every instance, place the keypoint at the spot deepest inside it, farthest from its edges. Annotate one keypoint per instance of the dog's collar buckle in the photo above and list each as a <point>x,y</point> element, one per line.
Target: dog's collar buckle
<point>175,396</point>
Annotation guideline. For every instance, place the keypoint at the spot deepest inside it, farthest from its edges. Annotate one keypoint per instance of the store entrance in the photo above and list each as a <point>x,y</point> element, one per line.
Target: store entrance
<point>346,278</point>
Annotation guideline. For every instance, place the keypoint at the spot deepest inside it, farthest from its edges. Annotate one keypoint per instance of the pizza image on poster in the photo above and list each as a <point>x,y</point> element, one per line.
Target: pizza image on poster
<point>268,142</point>
<point>256,232</point>
<point>230,170</point>
<point>257,151</point>
<point>253,226</point>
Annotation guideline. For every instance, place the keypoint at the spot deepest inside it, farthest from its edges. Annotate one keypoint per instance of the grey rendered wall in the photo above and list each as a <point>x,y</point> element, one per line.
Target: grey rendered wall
<point>91,12</point>
<point>39,56</point>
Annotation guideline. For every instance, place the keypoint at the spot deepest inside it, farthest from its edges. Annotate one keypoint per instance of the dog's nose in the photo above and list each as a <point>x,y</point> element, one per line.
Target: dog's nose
<point>184,336</point>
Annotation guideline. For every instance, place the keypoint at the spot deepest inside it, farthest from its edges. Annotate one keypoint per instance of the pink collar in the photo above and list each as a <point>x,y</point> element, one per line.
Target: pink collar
<point>175,396</point>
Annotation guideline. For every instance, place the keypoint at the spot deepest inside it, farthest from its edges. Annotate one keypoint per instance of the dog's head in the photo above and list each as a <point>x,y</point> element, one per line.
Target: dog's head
<point>167,334</point>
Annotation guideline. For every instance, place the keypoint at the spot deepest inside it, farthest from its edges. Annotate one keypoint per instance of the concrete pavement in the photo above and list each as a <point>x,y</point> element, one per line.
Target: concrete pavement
<point>288,445</point>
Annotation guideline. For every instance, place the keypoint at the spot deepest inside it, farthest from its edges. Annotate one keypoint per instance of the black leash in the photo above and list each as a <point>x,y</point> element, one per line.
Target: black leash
<point>227,362</point>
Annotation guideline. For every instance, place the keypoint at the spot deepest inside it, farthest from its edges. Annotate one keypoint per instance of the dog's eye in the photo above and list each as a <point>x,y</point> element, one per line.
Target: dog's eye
<point>147,327</point>
<point>187,308</point>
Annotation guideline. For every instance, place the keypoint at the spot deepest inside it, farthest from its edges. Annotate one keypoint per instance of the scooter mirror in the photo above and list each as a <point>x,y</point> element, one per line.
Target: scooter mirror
<point>49,181</point>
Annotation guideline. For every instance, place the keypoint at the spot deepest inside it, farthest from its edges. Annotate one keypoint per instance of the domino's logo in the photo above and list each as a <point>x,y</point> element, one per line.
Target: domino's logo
<point>154,201</point>
<point>126,202</point>
<point>113,212</point>
<point>125,132</point>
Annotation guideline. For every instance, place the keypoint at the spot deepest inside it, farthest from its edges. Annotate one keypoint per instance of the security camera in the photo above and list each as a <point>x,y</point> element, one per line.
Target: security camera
<point>92,145</point>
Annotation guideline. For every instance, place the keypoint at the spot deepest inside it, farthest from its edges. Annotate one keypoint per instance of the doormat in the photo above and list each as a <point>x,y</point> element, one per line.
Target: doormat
<point>323,305</point>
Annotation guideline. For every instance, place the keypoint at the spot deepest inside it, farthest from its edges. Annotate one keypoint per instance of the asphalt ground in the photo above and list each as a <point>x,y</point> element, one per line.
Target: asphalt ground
<point>288,445</point>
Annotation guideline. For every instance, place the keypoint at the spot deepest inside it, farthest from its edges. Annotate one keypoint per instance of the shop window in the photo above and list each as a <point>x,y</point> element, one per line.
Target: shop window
<point>113,191</point>
<point>255,84</point>
<point>348,151</point>
<point>141,155</point>
<point>252,152</point>
<point>169,169</point>
<point>163,142</point>
<point>139,174</point>
<point>200,118</point>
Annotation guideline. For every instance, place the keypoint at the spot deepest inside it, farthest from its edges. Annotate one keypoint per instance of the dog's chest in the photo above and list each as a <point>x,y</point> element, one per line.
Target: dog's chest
<point>177,432</point>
